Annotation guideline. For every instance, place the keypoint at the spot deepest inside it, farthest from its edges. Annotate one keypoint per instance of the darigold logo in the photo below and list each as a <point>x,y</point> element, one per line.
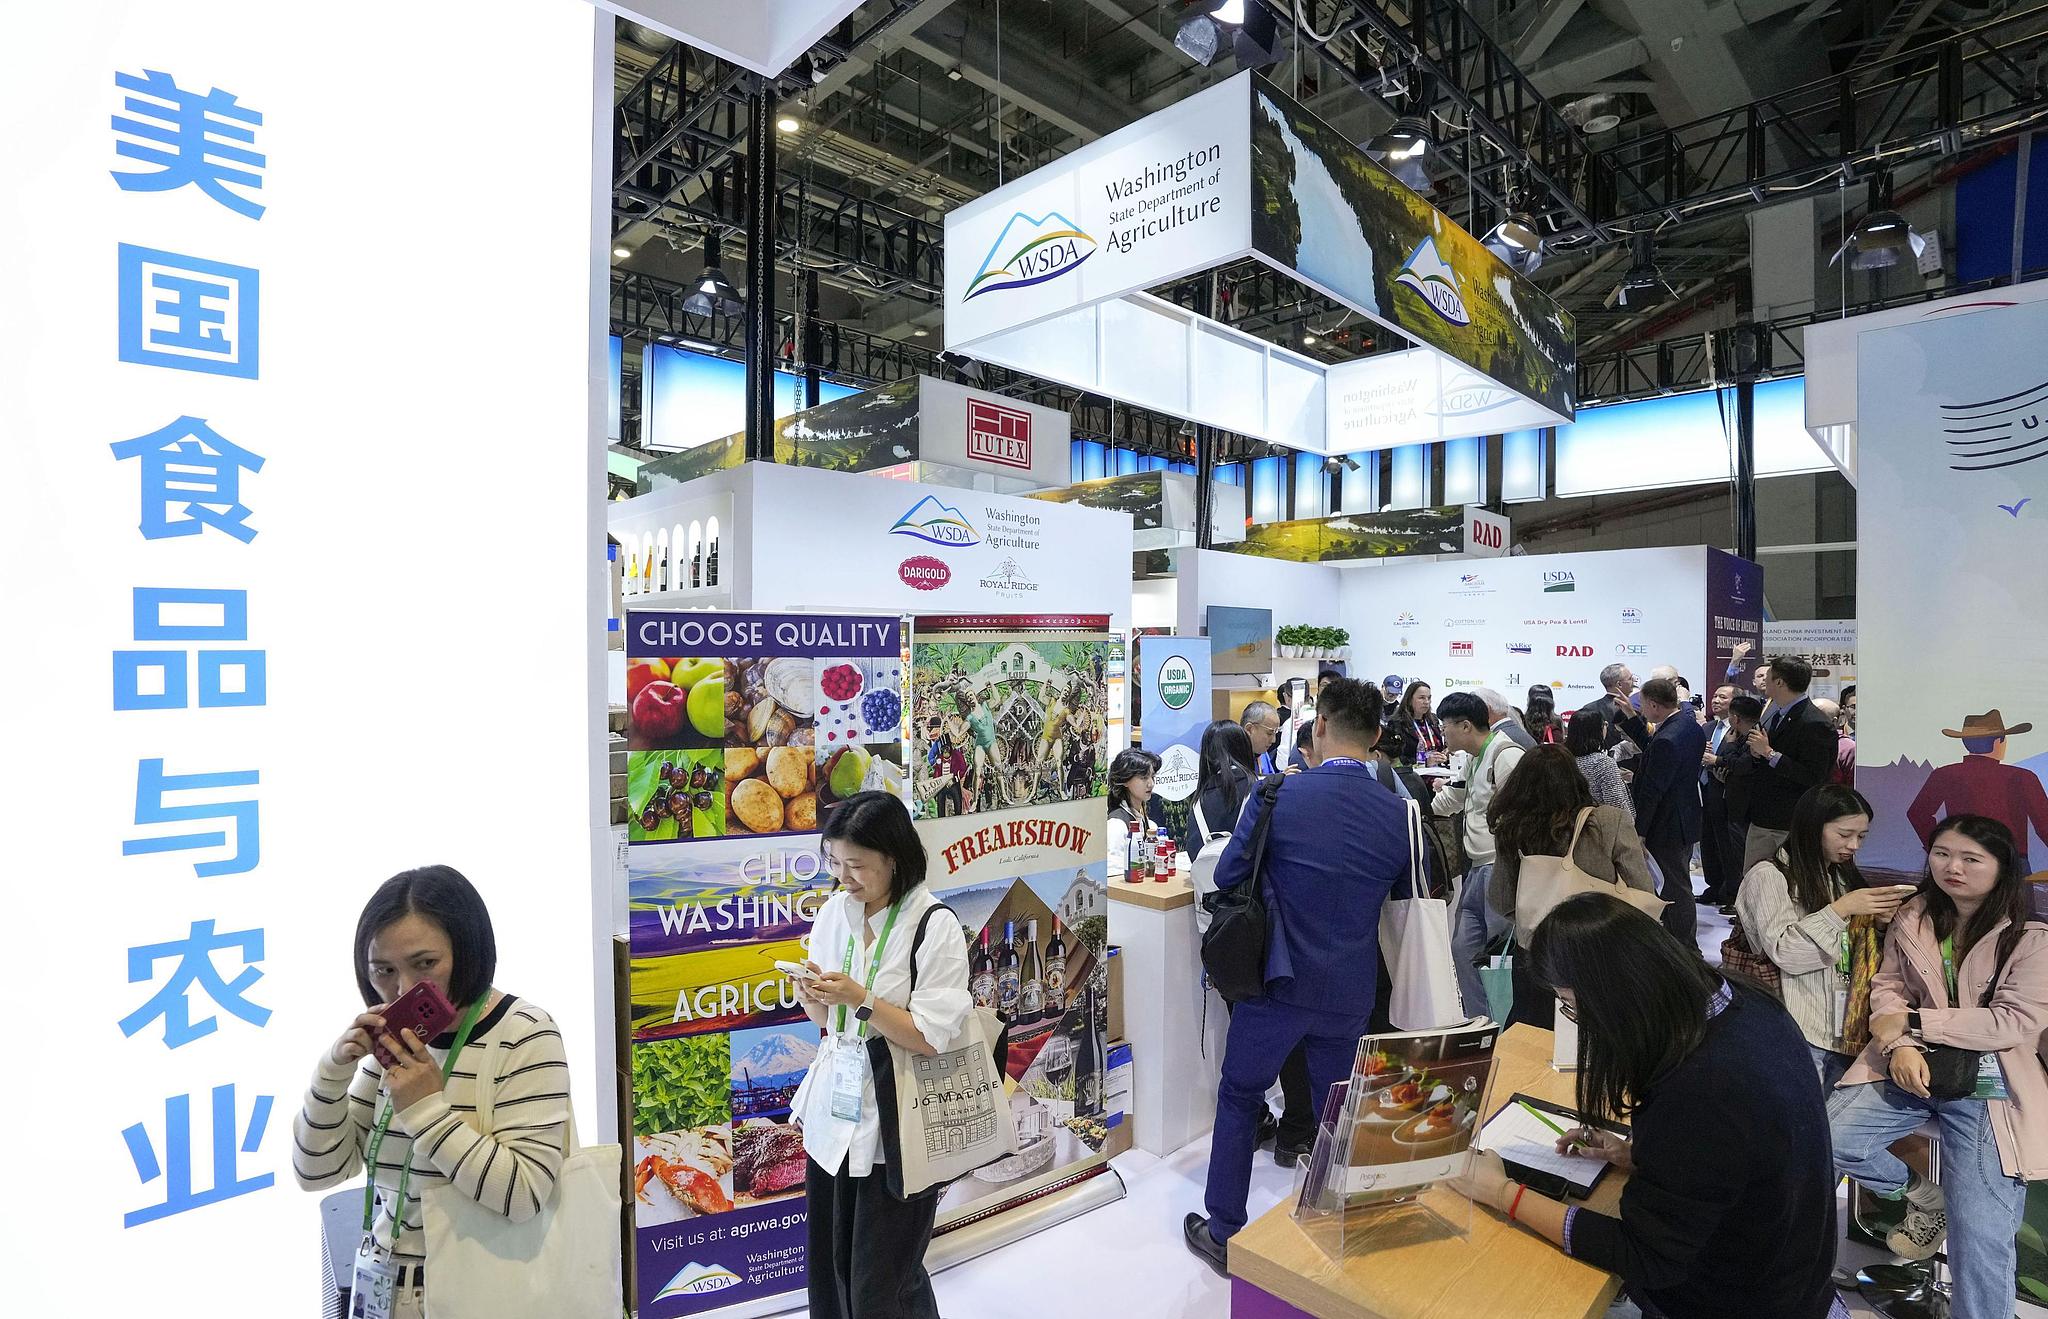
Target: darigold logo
<point>1430,275</point>
<point>1030,250</point>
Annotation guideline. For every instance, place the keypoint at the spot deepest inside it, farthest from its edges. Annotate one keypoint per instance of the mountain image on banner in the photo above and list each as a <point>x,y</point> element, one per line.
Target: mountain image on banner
<point>1430,275</point>
<point>779,1057</point>
<point>694,1279</point>
<point>941,524</point>
<point>1030,250</point>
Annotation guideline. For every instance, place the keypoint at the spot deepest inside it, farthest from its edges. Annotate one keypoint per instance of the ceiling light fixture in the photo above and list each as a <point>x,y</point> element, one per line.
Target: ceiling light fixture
<point>1882,238</point>
<point>1516,240</point>
<point>1246,28</point>
<point>919,333</point>
<point>713,294</point>
<point>1404,151</point>
<point>1308,341</point>
<point>788,124</point>
<point>1643,285</point>
<point>622,252</point>
<point>1593,114</point>
<point>969,370</point>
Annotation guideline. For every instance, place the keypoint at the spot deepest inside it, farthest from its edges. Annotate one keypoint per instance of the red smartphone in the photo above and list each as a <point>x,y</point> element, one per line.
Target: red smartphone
<point>424,1010</point>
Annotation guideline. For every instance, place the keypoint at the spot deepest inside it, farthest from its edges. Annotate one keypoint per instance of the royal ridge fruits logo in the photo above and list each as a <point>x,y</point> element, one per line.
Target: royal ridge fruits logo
<point>999,435</point>
<point>1031,250</point>
<point>941,524</point>
<point>1431,276</point>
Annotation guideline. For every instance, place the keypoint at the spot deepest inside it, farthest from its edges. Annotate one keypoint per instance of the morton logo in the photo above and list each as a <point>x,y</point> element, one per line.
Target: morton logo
<point>1030,250</point>
<point>1431,276</point>
<point>694,1279</point>
<point>928,519</point>
<point>1000,435</point>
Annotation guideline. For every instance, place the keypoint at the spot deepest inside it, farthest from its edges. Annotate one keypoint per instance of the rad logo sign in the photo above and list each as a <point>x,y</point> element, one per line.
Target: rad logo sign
<point>940,524</point>
<point>1000,435</point>
<point>922,572</point>
<point>1575,652</point>
<point>1555,583</point>
<point>1031,250</point>
<point>1426,272</point>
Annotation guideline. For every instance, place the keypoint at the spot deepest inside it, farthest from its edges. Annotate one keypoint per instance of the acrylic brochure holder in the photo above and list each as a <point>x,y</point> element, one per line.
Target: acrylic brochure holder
<point>1390,1136</point>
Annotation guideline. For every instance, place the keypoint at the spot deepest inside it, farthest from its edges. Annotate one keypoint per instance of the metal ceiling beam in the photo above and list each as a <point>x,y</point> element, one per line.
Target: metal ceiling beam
<point>1545,28</point>
<point>1126,21</point>
<point>1029,79</point>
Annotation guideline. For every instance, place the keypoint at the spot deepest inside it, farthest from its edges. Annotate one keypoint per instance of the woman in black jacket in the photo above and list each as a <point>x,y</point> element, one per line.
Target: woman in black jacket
<point>1226,779</point>
<point>1413,736</point>
<point>1730,1203</point>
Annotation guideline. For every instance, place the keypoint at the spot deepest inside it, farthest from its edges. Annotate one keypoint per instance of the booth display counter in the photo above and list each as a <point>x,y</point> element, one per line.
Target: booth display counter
<point>1277,1272</point>
<point>1173,1099</point>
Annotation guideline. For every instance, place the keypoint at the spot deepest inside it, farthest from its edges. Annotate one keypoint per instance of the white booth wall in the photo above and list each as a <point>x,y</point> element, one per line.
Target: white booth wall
<point>1295,592</point>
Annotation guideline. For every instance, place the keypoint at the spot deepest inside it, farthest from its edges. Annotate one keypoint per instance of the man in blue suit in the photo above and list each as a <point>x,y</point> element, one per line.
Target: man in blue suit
<point>1667,797</point>
<point>1337,845</point>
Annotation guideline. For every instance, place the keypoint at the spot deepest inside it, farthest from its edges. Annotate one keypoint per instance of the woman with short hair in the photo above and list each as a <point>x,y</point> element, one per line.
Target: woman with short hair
<point>1586,738</point>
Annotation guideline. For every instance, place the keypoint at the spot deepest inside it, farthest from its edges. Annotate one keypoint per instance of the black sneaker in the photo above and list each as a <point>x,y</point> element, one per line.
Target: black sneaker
<point>1287,1156</point>
<point>1269,1127</point>
<point>1195,1230</point>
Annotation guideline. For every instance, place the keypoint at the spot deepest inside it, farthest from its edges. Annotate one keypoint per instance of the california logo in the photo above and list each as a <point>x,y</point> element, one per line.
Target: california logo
<point>1031,250</point>
<point>1429,275</point>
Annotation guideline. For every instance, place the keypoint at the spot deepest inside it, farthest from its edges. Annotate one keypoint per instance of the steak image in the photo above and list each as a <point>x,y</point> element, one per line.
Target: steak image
<point>768,1159</point>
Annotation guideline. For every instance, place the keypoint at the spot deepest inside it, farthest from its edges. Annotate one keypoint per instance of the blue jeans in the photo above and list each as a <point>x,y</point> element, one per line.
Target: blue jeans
<point>1262,1034</point>
<point>1474,925</point>
<point>1984,1205</point>
<point>1832,1067</point>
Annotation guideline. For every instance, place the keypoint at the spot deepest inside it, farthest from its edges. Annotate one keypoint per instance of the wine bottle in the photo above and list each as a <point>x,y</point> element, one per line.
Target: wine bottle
<point>633,574</point>
<point>1008,975</point>
<point>711,564</point>
<point>1031,986</point>
<point>1055,971</point>
<point>1088,1062</point>
<point>982,978</point>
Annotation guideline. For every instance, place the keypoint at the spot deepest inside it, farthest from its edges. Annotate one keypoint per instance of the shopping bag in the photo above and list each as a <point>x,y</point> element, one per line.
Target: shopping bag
<point>1415,940</point>
<point>562,1261</point>
<point>952,1115</point>
<point>1498,978</point>
<point>1545,881</point>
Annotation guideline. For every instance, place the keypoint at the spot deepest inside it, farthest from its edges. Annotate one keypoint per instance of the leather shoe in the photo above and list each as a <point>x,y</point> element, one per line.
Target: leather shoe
<point>1195,1230</point>
<point>1269,1127</point>
<point>1286,1156</point>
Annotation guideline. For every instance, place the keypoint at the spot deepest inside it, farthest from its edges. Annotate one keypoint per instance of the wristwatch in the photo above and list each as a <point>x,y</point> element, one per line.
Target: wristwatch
<point>1913,1022</point>
<point>866,1008</point>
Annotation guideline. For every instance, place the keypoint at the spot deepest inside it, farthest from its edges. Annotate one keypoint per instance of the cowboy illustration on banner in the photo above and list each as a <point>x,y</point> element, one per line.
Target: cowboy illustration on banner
<point>1981,783</point>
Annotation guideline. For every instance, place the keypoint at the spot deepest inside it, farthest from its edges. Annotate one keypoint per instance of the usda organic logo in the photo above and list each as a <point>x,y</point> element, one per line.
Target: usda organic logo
<point>1176,682</point>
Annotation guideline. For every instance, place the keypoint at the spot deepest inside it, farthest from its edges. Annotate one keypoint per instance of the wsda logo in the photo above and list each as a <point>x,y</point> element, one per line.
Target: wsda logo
<point>1431,276</point>
<point>1030,250</point>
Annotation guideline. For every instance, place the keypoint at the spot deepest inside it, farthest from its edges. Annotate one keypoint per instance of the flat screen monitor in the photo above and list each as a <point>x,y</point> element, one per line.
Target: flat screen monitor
<point>1240,640</point>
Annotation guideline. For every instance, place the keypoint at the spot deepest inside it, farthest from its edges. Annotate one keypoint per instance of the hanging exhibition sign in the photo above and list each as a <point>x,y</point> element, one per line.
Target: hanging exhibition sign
<point>247,685</point>
<point>1050,275</point>
<point>1355,536</point>
<point>1949,415</point>
<point>1486,534</point>
<point>1177,711</point>
<point>1735,615</point>
<point>1161,505</point>
<point>745,731</point>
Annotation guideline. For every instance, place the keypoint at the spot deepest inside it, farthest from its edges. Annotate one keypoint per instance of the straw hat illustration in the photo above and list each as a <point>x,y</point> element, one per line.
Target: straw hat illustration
<point>1989,724</point>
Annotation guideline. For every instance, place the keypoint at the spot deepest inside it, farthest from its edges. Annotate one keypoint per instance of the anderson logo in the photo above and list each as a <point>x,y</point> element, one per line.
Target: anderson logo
<point>695,1279</point>
<point>1030,250</point>
<point>928,519</point>
<point>924,573</point>
<point>1000,435</point>
<point>1430,275</point>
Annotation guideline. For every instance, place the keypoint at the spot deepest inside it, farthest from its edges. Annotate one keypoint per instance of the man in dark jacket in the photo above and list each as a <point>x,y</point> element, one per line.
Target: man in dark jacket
<point>1616,712</point>
<point>1734,769</point>
<point>1667,797</point>
<point>1336,846</point>
<point>1795,750</point>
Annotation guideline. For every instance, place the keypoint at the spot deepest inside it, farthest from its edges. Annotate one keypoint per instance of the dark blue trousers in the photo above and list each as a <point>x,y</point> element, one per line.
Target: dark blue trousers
<point>1261,1036</point>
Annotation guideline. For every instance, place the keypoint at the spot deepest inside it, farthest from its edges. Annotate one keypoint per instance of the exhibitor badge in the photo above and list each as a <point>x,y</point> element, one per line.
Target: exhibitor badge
<point>1176,683</point>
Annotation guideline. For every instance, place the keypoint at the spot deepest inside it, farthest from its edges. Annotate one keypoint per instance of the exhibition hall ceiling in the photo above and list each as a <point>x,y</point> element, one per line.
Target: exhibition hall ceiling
<point>951,97</point>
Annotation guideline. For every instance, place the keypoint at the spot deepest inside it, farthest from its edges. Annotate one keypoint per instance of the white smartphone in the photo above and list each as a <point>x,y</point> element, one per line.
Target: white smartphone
<point>795,970</point>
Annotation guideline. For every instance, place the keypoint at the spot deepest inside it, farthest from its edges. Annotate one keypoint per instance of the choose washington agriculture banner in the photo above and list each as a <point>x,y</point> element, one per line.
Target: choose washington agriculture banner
<point>746,730</point>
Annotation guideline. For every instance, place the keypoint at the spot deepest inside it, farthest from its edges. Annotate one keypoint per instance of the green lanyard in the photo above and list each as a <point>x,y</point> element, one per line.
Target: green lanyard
<point>874,967</point>
<point>1948,967</point>
<point>384,1125</point>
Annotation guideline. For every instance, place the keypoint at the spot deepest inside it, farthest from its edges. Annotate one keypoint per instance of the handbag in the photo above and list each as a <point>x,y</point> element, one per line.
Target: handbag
<point>1740,957</point>
<point>943,1116</point>
<point>1952,1072</point>
<point>1240,923</point>
<point>562,1261</point>
<point>1415,940</point>
<point>1545,881</point>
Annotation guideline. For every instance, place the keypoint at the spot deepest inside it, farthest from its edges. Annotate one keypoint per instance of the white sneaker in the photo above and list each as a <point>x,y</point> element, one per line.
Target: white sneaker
<point>1920,1235</point>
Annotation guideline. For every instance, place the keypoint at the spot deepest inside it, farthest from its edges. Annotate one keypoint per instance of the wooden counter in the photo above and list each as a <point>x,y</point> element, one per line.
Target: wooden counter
<point>1174,893</point>
<point>1500,1269</point>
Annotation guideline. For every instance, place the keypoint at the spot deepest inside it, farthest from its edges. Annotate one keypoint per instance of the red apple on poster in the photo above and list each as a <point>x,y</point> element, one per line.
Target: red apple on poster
<point>641,672</point>
<point>659,710</point>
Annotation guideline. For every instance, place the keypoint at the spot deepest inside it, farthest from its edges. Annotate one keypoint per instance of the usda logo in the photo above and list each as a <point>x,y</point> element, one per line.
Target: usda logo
<point>1176,682</point>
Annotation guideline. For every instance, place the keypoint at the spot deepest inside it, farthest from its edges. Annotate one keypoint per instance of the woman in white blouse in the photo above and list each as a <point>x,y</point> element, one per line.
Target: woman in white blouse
<point>868,944</point>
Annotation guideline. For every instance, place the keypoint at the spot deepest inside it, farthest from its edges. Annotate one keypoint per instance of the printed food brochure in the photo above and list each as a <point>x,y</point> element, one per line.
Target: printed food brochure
<point>1410,1111</point>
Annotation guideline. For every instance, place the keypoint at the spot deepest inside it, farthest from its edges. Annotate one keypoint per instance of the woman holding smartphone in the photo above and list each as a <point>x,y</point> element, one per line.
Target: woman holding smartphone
<point>413,1123</point>
<point>1730,1204</point>
<point>1965,968</point>
<point>1808,911</point>
<point>872,966</point>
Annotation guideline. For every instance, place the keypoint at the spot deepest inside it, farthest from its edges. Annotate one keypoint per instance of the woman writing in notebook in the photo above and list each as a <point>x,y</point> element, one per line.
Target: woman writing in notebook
<point>1707,1074</point>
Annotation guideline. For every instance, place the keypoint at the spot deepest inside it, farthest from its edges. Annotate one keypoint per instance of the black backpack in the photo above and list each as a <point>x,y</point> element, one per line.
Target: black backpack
<point>1240,921</point>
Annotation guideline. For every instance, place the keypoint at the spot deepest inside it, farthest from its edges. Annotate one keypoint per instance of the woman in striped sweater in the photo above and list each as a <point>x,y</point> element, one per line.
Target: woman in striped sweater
<point>414,1123</point>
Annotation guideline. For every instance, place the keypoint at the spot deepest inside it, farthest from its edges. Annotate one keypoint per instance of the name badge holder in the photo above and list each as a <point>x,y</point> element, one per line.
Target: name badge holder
<point>849,1051</point>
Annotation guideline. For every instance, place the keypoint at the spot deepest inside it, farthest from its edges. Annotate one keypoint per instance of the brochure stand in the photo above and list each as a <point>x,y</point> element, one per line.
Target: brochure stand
<point>1402,1123</point>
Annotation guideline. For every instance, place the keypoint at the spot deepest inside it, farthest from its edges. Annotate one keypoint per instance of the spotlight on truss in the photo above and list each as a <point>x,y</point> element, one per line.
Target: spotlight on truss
<point>1882,238</point>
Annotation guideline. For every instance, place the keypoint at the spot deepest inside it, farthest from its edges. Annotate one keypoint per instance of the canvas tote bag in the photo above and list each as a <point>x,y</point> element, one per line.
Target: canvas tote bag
<point>1415,940</point>
<point>562,1261</point>
<point>1545,881</point>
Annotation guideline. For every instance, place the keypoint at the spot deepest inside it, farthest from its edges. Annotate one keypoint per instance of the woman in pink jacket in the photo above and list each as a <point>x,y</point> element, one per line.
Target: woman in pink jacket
<point>1964,969</point>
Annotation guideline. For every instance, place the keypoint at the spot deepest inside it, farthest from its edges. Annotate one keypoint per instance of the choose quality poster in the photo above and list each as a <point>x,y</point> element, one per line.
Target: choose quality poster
<point>745,731</point>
